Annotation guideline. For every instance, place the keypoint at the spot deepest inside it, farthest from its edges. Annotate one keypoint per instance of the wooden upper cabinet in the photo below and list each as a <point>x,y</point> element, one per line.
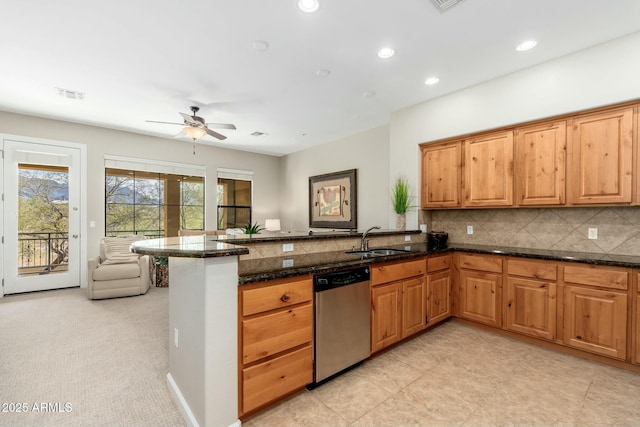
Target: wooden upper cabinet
<point>441,175</point>
<point>600,158</point>
<point>540,164</point>
<point>488,170</point>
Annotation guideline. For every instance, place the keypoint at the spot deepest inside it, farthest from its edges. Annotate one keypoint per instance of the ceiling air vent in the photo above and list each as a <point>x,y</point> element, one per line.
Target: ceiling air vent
<point>71,94</point>
<point>443,5</point>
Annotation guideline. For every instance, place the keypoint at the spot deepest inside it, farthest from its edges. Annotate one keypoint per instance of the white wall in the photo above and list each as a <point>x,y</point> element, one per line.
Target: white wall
<point>100,141</point>
<point>366,151</point>
<point>602,75</point>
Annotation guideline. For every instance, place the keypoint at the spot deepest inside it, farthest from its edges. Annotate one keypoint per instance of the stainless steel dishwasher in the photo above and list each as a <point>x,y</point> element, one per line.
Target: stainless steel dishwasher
<point>342,322</point>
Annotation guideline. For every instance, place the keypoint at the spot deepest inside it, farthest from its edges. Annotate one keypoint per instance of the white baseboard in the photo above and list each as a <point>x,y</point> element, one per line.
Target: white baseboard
<point>183,407</point>
<point>179,399</point>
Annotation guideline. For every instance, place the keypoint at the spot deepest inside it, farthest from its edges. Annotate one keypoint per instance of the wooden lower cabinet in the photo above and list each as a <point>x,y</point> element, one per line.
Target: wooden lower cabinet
<point>438,297</point>
<point>398,300</point>
<point>530,307</point>
<point>480,297</point>
<point>275,340</point>
<point>595,320</point>
<point>268,381</point>
<point>636,353</point>
<point>386,315</point>
<point>413,306</point>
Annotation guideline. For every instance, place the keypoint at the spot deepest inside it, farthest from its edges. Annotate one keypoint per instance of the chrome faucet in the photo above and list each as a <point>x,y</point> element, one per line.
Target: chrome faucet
<point>364,243</point>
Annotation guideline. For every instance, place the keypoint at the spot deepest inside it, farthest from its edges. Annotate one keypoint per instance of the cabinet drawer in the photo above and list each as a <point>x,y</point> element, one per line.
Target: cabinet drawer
<point>270,334</point>
<point>482,263</point>
<point>437,263</point>
<point>597,276</point>
<point>275,378</point>
<point>384,273</point>
<point>536,270</point>
<point>270,297</point>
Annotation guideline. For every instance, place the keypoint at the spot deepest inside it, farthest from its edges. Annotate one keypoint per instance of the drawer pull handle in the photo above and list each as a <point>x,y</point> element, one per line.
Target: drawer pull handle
<point>285,298</point>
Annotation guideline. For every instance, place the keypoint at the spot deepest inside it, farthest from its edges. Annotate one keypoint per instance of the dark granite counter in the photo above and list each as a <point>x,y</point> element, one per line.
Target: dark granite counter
<point>187,247</point>
<point>264,237</point>
<point>264,269</point>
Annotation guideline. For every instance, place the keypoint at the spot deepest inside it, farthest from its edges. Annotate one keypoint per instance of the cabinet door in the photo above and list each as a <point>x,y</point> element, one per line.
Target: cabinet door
<point>413,306</point>
<point>531,307</point>
<point>540,165</point>
<point>488,170</point>
<point>636,355</point>
<point>386,318</point>
<point>601,158</point>
<point>480,297</point>
<point>441,175</point>
<point>438,297</point>
<point>596,320</point>
<point>270,380</point>
<point>276,332</point>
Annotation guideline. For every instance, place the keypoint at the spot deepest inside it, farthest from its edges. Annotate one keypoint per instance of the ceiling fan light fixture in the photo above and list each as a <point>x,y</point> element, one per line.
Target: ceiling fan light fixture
<point>194,133</point>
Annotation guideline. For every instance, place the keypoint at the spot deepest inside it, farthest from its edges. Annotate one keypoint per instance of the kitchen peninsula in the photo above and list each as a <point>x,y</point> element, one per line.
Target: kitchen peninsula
<point>206,274</point>
<point>203,315</point>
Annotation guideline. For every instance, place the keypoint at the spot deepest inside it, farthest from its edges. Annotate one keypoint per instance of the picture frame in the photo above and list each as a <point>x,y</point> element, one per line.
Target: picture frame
<point>333,200</point>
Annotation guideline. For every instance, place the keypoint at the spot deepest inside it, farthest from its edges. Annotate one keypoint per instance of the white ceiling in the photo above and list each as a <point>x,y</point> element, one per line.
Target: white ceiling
<point>139,60</point>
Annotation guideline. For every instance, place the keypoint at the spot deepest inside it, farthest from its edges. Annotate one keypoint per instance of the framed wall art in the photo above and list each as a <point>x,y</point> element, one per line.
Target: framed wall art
<point>333,200</point>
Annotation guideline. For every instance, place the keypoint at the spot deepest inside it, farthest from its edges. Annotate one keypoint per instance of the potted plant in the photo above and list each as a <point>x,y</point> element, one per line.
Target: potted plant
<point>252,228</point>
<point>402,201</point>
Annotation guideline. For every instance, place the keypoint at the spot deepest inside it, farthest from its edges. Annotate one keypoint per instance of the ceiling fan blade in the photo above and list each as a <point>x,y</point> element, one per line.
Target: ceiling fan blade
<point>166,123</point>
<point>215,134</point>
<point>187,118</point>
<point>222,126</point>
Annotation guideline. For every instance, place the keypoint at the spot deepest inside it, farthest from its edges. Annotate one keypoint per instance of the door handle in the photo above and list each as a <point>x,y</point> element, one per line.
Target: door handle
<point>75,236</point>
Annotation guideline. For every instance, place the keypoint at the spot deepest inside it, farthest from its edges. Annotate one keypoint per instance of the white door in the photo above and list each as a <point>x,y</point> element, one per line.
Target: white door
<point>41,247</point>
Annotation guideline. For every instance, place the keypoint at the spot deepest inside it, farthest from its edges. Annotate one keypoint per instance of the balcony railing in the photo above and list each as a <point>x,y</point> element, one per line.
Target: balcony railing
<point>42,253</point>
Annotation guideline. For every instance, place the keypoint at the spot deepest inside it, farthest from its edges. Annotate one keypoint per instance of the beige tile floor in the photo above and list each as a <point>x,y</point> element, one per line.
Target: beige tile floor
<point>457,375</point>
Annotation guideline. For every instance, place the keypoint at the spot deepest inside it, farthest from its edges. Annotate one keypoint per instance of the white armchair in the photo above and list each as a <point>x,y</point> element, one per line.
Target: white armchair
<point>117,272</point>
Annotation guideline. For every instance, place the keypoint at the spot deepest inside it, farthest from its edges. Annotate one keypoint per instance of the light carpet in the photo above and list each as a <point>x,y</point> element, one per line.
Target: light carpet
<point>69,361</point>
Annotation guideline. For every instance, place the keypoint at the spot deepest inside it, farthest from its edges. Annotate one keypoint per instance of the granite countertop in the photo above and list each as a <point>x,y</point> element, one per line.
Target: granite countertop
<point>187,247</point>
<point>240,239</point>
<point>258,270</point>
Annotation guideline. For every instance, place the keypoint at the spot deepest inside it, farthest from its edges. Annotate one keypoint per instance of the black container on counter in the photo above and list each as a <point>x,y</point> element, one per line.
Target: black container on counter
<point>437,240</point>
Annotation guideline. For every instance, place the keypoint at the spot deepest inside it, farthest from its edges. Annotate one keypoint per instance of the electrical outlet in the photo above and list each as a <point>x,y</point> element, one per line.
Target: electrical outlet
<point>407,238</point>
<point>592,233</point>
<point>176,337</point>
<point>469,229</point>
<point>423,228</point>
<point>287,247</point>
<point>287,263</point>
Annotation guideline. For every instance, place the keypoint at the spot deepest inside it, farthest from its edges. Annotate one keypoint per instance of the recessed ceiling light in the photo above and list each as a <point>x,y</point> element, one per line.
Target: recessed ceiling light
<point>260,45</point>
<point>431,81</point>
<point>529,44</point>
<point>386,53</point>
<point>322,72</point>
<point>369,94</point>
<point>308,6</point>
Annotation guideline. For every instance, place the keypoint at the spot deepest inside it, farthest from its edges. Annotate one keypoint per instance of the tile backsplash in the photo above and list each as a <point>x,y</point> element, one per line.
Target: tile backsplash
<point>545,228</point>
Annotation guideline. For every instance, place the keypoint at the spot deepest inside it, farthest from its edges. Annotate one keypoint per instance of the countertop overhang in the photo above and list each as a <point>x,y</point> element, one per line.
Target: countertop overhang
<point>187,247</point>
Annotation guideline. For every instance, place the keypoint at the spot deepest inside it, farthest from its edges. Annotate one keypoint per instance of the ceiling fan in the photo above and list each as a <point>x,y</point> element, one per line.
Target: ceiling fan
<point>195,127</point>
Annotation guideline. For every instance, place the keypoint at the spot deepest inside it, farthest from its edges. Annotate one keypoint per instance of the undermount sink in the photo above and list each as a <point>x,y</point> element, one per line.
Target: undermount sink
<point>378,252</point>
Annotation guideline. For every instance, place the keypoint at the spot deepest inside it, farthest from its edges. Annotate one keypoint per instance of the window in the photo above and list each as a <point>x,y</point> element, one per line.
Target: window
<point>152,203</point>
<point>234,198</point>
